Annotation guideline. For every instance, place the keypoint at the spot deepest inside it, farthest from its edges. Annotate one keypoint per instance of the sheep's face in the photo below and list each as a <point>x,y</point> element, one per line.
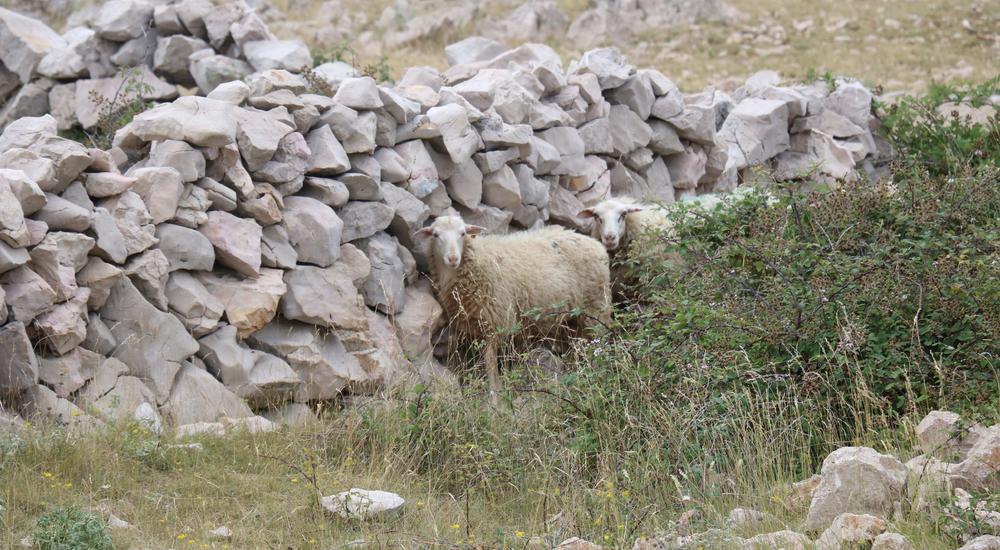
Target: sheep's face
<point>447,238</point>
<point>609,221</point>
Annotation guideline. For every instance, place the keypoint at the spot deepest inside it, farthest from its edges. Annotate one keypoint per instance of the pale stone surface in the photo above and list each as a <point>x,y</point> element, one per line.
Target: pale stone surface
<point>858,480</point>
<point>363,504</point>
<point>250,303</point>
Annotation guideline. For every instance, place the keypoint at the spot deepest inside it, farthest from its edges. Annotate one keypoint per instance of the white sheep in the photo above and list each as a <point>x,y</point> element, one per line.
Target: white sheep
<point>489,284</point>
<point>619,220</point>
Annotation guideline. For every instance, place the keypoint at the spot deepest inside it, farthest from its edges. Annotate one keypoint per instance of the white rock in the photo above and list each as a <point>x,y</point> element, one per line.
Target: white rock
<point>24,42</point>
<point>363,504</point>
<point>858,480</point>
<point>755,131</point>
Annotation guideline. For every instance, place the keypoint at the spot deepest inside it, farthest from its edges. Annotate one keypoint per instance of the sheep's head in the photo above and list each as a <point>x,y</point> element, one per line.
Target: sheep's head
<point>447,238</point>
<point>609,220</point>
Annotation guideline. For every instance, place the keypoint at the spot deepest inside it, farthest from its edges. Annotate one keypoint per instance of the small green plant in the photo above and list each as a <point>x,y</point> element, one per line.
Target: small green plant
<point>931,132</point>
<point>380,70</point>
<point>338,52</point>
<point>119,110</point>
<point>70,528</point>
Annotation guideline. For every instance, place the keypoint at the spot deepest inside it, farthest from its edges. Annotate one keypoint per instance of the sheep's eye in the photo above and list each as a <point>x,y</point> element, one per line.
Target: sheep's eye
<point>621,216</point>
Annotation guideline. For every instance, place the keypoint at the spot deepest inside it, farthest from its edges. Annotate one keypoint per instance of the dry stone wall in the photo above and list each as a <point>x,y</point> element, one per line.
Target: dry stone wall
<point>245,246</point>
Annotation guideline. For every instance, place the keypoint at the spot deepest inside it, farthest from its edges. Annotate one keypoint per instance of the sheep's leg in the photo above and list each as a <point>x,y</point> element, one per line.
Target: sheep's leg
<point>493,371</point>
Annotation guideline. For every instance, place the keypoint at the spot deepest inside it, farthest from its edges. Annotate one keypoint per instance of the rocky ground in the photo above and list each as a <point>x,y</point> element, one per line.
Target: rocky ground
<point>205,228</point>
<point>883,43</point>
<point>182,265</point>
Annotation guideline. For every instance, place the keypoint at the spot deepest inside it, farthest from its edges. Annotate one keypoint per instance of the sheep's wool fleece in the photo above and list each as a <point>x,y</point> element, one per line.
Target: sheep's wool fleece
<point>503,277</point>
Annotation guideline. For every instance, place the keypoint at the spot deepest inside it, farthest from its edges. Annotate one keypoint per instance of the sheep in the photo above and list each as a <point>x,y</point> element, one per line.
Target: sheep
<point>491,283</point>
<point>620,220</point>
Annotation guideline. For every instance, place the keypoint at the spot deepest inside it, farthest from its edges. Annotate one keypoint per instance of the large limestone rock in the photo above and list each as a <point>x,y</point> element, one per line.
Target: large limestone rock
<point>185,248</point>
<point>249,303</point>
<point>188,298</point>
<point>236,241</point>
<point>24,42</point>
<point>755,131</point>
<point>63,327</point>
<point>858,480</point>
<point>851,531</point>
<point>28,295</point>
<point>944,435</point>
<point>363,504</point>
<point>290,55</point>
<point>314,230</point>
<point>198,397</point>
<point>19,367</point>
<point>325,297</point>
<point>319,358</point>
<point>133,221</point>
<point>57,259</point>
<point>980,471</point>
<point>196,120</point>
<point>384,289</point>
<point>152,343</point>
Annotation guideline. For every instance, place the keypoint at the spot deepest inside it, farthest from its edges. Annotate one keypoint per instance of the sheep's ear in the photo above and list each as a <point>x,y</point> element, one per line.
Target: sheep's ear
<point>424,233</point>
<point>474,229</point>
<point>586,213</point>
<point>636,208</point>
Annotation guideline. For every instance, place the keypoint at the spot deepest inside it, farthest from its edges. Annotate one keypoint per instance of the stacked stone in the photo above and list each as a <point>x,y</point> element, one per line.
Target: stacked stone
<point>246,245</point>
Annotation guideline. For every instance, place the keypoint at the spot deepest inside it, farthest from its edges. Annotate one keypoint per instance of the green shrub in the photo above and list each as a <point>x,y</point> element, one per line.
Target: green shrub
<point>71,529</point>
<point>930,132</point>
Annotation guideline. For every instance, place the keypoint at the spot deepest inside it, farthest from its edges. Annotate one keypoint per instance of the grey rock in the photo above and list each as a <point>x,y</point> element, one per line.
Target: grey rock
<point>327,191</point>
<point>106,184</point>
<point>193,304</point>
<point>152,343</point>
<point>171,57</point>
<point>320,359</point>
<point>314,230</point>
<point>28,295</point>
<point>361,187</point>
<point>383,290</point>
<point>328,156</point>
<point>19,369</point>
<point>275,248</point>
<point>607,64</point>
<point>123,20</point>
<point>62,215</point>
<point>358,93</point>
<point>149,272</point>
<point>687,168</point>
<point>234,92</point>
<point>179,156</point>
<point>211,71</point>
<point>25,41</point>
<point>64,327</point>
<point>858,480</point>
<point>196,120</point>
<point>109,241</point>
<point>99,338</point>
<point>198,397</point>
<point>628,131</point>
<point>325,297</point>
<point>290,55</point>
<point>465,186</point>
<point>364,219</point>
<point>755,131</point>
<point>100,277</point>
<point>25,190</point>
<point>636,94</point>
<point>57,259</point>
<point>250,303</point>
<point>409,212</point>
<point>460,139</point>
<point>236,241</point>
<point>133,221</point>
<point>11,258</point>
<point>571,149</point>
<point>501,189</point>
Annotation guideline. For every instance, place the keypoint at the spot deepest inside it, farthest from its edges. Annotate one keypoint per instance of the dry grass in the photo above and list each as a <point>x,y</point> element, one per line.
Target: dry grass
<point>472,477</point>
<point>900,45</point>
